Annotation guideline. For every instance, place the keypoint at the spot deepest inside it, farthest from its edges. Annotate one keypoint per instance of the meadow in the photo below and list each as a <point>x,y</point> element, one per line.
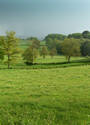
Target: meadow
<point>51,96</point>
<point>48,63</point>
<point>50,92</point>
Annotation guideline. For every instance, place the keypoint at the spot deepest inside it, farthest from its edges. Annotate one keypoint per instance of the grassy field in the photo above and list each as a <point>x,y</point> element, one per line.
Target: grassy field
<point>45,96</point>
<point>49,63</point>
<point>51,92</point>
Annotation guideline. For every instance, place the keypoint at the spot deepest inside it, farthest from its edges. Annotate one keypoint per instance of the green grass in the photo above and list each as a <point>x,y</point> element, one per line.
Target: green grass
<point>52,92</point>
<point>49,63</point>
<point>24,43</point>
<point>45,97</point>
<point>57,59</point>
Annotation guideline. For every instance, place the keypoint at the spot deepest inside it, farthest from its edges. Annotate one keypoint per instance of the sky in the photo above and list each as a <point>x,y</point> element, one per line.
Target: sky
<point>41,17</point>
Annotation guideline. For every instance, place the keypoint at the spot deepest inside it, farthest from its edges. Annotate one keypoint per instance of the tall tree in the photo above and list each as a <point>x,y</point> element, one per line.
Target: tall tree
<point>1,49</point>
<point>71,47</point>
<point>10,47</point>
<point>85,48</point>
<point>53,52</point>
<point>86,34</point>
<point>54,44</point>
<point>30,54</point>
<point>44,51</point>
<point>34,42</point>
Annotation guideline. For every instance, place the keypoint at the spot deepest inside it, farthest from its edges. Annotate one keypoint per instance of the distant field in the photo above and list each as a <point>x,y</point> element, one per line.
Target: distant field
<point>49,63</point>
<point>45,97</point>
<point>56,59</point>
<point>24,43</point>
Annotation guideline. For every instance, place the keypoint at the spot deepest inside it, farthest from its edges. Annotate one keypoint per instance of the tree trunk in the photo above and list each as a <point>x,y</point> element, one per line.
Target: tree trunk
<point>8,62</point>
<point>68,59</point>
<point>32,55</point>
<point>32,60</point>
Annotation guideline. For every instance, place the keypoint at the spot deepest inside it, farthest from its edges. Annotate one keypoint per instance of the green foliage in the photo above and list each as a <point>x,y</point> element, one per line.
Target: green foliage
<point>75,35</point>
<point>36,43</point>
<point>30,54</point>
<point>1,54</point>
<point>86,34</point>
<point>54,41</point>
<point>85,48</point>
<point>32,38</point>
<point>54,44</point>
<point>53,52</point>
<point>1,49</point>
<point>44,51</point>
<point>55,37</point>
<point>71,47</point>
<point>51,43</point>
<point>10,47</point>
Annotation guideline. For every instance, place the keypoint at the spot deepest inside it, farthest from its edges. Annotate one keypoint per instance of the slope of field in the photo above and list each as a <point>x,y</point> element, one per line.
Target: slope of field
<point>45,97</point>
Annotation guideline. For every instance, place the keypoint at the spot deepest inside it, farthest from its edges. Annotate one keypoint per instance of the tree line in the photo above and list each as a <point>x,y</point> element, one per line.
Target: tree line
<point>77,44</point>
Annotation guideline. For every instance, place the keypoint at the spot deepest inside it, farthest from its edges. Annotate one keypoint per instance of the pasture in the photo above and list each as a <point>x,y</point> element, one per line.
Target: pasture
<point>48,63</point>
<point>45,96</point>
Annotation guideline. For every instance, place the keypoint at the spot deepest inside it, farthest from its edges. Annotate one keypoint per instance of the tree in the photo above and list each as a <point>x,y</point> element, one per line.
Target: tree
<point>71,47</point>
<point>10,47</point>
<point>85,48</point>
<point>54,41</point>
<point>75,35</point>
<point>44,51</point>
<point>32,38</point>
<point>1,49</point>
<point>58,47</point>
<point>54,44</point>
<point>30,54</point>
<point>55,36</point>
<point>1,54</point>
<point>34,42</point>
<point>53,52</point>
<point>86,34</point>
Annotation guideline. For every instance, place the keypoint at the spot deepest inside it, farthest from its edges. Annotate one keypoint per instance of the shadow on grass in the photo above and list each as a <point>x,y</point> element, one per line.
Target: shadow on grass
<point>60,64</point>
<point>73,63</point>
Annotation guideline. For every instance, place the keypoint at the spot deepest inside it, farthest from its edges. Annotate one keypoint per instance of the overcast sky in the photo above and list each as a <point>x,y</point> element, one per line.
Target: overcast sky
<point>41,17</point>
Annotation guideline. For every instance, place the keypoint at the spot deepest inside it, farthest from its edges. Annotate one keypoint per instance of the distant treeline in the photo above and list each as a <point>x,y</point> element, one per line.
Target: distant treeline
<point>85,34</point>
<point>76,44</point>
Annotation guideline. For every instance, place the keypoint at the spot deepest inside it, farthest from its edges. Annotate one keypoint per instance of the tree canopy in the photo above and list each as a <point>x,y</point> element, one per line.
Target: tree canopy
<point>75,35</point>
<point>10,47</point>
<point>85,48</point>
<point>71,47</point>
<point>55,37</point>
<point>30,54</point>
